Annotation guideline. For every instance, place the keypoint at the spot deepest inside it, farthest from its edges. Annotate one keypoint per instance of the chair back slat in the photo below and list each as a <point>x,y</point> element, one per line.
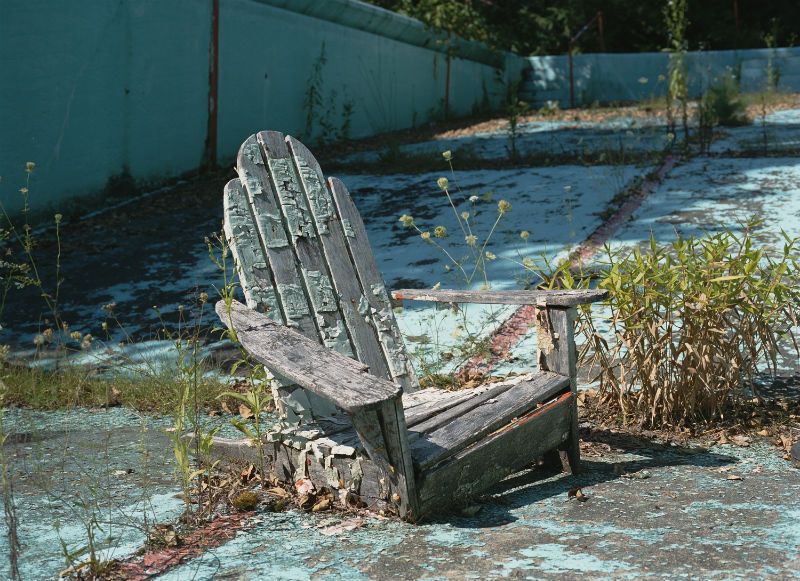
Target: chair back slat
<point>273,241</point>
<point>243,239</point>
<point>304,258</point>
<point>297,219</point>
<point>375,294</point>
<point>340,264</point>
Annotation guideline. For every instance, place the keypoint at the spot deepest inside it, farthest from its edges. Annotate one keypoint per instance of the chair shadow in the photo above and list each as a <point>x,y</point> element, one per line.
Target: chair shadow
<point>536,483</point>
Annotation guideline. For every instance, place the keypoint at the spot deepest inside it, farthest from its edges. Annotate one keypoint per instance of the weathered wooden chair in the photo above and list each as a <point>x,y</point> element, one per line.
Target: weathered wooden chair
<point>318,316</point>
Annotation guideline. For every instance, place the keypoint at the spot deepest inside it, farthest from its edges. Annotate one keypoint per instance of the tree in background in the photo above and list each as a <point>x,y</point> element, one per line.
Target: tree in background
<point>538,27</point>
<point>676,22</point>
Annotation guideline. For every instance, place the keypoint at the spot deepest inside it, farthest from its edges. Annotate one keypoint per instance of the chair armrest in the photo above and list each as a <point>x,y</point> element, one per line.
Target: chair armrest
<point>339,379</point>
<point>540,298</point>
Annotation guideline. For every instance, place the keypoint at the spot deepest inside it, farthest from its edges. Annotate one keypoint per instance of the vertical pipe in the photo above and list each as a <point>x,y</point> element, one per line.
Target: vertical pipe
<point>571,78</point>
<point>210,156</point>
<point>447,87</point>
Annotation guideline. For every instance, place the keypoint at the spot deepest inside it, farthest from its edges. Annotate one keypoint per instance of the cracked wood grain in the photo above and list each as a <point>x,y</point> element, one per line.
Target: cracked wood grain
<point>542,298</point>
<point>327,373</point>
<point>304,241</point>
<point>272,241</point>
<point>444,435</point>
<point>376,303</point>
<point>242,237</point>
<point>343,273</point>
<point>556,326</point>
<point>384,435</point>
<point>507,450</point>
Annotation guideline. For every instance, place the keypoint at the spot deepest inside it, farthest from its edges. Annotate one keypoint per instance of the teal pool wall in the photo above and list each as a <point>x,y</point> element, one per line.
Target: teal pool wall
<point>95,88</point>
<point>98,89</point>
<point>624,77</point>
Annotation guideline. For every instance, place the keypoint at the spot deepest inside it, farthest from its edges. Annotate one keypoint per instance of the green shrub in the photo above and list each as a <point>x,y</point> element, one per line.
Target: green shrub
<point>723,105</point>
<point>691,325</point>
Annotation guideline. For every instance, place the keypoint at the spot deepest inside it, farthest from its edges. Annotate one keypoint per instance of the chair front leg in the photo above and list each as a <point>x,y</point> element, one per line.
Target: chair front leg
<point>557,353</point>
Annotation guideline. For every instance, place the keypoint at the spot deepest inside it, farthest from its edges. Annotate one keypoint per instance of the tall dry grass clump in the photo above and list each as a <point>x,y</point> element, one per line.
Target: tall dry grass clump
<point>692,325</point>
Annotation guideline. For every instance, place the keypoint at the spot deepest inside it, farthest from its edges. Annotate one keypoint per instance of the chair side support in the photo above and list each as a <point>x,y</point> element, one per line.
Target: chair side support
<point>557,353</point>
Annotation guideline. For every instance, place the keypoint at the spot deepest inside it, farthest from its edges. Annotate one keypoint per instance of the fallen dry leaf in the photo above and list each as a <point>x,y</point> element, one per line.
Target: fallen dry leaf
<point>322,504</point>
<point>640,475</point>
<point>342,527</point>
<point>163,535</point>
<point>471,510</point>
<point>114,398</point>
<point>742,441</point>
<point>245,411</point>
<point>305,501</point>
<point>733,477</point>
<point>577,493</point>
<point>247,473</point>
<point>304,486</point>
<point>276,491</point>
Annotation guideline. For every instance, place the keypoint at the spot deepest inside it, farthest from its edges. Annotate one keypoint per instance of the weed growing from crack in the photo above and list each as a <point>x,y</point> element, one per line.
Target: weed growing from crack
<point>515,110</point>
<point>7,476</point>
<point>469,253</point>
<point>261,386</point>
<point>689,326</point>
<point>676,21</point>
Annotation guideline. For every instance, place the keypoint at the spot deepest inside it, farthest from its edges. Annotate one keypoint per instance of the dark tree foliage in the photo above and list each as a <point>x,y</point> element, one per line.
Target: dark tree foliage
<point>545,26</point>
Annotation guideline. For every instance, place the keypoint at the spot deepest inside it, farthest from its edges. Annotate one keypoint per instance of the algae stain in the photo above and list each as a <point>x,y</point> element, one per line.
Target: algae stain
<point>448,536</point>
<point>556,557</point>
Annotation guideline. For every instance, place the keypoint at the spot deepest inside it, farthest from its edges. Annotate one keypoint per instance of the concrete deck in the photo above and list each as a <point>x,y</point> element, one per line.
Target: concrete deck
<point>709,512</point>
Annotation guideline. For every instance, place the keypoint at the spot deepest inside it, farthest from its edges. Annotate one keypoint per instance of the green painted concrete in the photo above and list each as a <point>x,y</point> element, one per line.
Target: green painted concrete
<point>268,54</point>
<point>634,77</point>
<point>96,89</point>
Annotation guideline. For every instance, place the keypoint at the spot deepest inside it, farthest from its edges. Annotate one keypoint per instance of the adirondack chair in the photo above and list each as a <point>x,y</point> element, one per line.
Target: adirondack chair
<point>318,316</point>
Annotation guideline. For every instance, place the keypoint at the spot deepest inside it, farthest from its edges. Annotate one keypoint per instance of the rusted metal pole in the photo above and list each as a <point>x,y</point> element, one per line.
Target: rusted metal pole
<point>447,87</point>
<point>210,154</point>
<point>571,78</point>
